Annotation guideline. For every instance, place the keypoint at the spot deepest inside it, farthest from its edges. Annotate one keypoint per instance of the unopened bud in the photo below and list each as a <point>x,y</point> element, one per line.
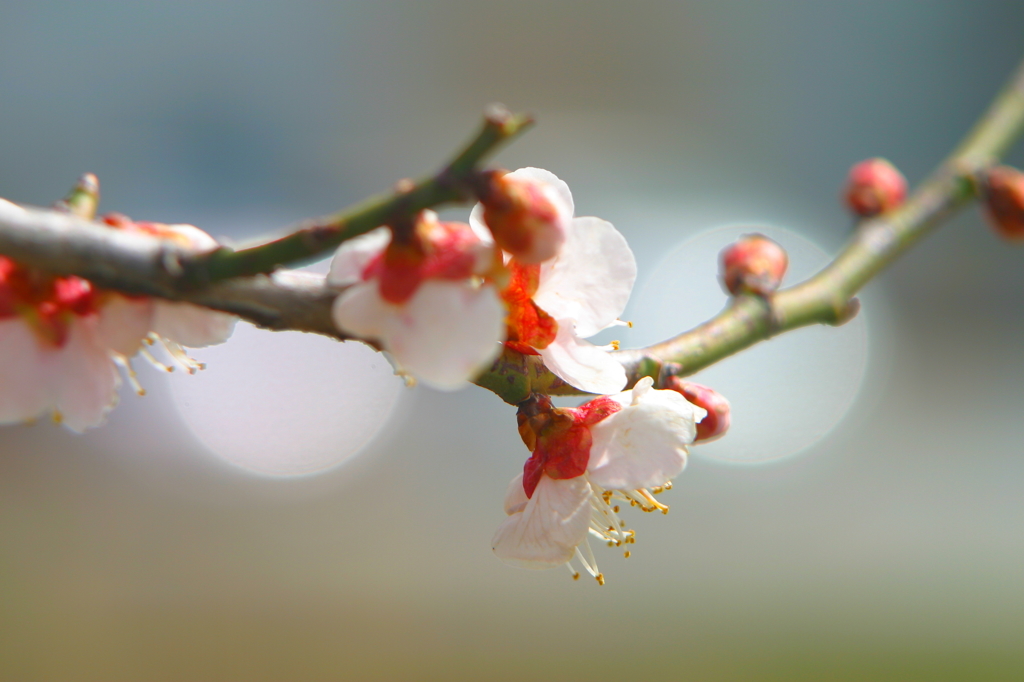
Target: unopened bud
<point>874,186</point>
<point>753,265</point>
<point>716,423</point>
<point>83,199</point>
<point>1004,201</point>
<point>526,216</point>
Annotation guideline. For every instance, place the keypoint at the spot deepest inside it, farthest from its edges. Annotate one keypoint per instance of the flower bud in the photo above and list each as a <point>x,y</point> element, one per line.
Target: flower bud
<point>874,186</point>
<point>1003,191</point>
<point>716,422</point>
<point>753,265</point>
<point>526,216</point>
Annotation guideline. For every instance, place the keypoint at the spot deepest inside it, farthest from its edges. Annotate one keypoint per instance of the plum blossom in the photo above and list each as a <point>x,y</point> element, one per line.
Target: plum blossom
<point>171,325</point>
<point>423,297</point>
<point>553,306</point>
<point>62,339</point>
<point>625,447</point>
<point>526,213</point>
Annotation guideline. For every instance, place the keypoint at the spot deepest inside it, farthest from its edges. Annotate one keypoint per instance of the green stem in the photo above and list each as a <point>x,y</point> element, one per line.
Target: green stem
<point>827,297</point>
<point>317,236</point>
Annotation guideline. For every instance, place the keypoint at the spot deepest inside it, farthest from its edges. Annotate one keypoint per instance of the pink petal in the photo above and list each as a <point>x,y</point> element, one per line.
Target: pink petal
<point>353,256</point>
<point>643,444</point>
<point>191,325</point>
<point>197,239</point>
<point>550,526</point>
<point>23,373</point>
<point>83,378</point>
<point>560,190</point>
<point>124,322</point>
<point>515,496</point>
<point>446,334</point>
<point>589,282</point>
<point>581,364</point>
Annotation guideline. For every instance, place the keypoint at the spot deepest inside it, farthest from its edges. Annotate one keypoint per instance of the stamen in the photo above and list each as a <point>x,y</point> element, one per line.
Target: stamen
<point>593,560</point>
<point>177,352</point>
<point>57,417</point>
<point>663,508</point>
<point>126,366</point>
<point>600,578</point>
<point>153,361</point>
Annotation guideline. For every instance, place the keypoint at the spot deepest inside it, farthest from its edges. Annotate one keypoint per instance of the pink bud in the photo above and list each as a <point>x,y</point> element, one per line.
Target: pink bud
<point>716,423</point>
<point>526,217</point>
<point>753,265</point>
<point>1004,201</point>
<point>874,186</point>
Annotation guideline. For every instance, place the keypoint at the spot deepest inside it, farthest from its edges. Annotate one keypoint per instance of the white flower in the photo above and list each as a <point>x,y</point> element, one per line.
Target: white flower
<point>527,214</point>
<point>584,289</point>
<point>630,455</point>
<point>132,323</point>
<point>424,301</point>
<point>61,339</point>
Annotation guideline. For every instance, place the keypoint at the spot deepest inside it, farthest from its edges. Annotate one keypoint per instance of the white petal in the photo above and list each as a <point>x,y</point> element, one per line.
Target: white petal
<point>196,238</point>
<point>477,224</point>
<point>352,257</point>
<point>23,374</point>
<point>643,444</point>
<point>124,322</point>
<point>191,325</point>
<point>446,334</point>
<point>591,279</point>
<point>560,190</point>
<point>549,527</point>
<point>515,496</point>
<point>582,364</point>
<point>84,379</point>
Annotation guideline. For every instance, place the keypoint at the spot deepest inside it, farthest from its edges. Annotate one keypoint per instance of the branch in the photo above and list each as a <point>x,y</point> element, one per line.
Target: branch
<point>318,236</point>
<point>826,298</point>
<point>65,244</point>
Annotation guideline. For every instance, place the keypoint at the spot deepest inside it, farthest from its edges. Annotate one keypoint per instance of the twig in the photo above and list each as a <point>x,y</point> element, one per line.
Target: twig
<point>68,245</point>
<point>318,236</point>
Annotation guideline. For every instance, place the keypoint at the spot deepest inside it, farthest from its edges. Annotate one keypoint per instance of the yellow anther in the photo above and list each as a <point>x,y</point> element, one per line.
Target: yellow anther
<point>57,417</point>
<point>629,324</point>
<point>615,509</point>
<point>599,578</point>
<point>616,344</point>
<point>575,576</point>
<point>650,498</point>
<point>611,544</point>
<point>626,554</point>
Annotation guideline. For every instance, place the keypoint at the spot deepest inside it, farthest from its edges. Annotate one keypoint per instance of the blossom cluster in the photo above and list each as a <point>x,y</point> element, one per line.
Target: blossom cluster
<point>64,342</point>
<point>444,298</point>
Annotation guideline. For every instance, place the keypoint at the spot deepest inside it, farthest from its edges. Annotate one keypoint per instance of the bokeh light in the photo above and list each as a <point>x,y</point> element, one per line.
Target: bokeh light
<point>786,393</point>
<point>287,404</point>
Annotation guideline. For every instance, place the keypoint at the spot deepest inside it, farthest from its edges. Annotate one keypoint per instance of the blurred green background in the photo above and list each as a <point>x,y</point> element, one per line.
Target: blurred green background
<point>891,549</point>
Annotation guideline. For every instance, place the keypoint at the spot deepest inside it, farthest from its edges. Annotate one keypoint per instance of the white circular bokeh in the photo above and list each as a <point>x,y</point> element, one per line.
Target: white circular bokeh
<point>286,403</point>
<point>786,393</point>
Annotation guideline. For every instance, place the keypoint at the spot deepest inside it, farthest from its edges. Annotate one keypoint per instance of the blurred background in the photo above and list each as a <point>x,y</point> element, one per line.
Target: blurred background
<point>294,513</point>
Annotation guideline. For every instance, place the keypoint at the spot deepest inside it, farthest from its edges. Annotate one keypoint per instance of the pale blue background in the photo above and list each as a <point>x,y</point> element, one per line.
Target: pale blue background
<point>893,550</point>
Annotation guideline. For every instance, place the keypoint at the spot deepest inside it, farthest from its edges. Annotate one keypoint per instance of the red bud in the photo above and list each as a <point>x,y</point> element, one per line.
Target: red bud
<point>753,265</point>
<point>874,186</point>
<point>526,217</point>
<point>1004,201</point>
<point>716,423</point>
